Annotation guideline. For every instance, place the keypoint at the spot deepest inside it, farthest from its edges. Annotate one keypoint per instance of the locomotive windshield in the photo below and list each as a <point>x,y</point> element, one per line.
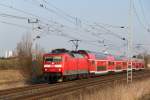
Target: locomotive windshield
<point>53,59</point>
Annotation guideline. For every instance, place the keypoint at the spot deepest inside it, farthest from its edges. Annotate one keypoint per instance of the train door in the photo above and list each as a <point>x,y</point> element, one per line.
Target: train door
<point>92,66</point>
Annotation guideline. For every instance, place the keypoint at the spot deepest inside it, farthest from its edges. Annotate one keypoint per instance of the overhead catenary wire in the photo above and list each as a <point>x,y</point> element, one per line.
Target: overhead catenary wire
<point>67,15</point>
<point>99,27</point>
<point>14,24</point>
<point>15,16</point>
<point>12,16</point>
<point>143,12</point>
<point>16,9</point>
<point>138,18</point>
<point>31,15</point>
<point>110,32</point>
<point>25,12</point>
<point>58,9</point>
<point>73,17</point>
<point>41,5</point>
<point>28,13</point>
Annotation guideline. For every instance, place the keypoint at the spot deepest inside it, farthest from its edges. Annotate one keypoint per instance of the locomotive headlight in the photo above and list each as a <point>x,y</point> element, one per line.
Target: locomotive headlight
<point>58,66</point>
<point>59,69</point>
<point>47,66</point>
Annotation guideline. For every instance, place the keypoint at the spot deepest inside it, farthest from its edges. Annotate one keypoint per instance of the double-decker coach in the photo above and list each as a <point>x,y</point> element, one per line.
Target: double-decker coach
<point>103,63</point>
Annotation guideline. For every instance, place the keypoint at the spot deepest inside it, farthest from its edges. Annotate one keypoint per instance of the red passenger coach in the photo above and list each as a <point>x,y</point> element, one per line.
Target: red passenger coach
<point>140,64</point>
<point>62,64</point>
<point>137,64</point>
<point>104,63</point>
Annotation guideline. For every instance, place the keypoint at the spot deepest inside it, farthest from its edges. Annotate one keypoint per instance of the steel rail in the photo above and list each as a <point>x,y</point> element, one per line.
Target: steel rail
<point>66,90</point>
<point>45,90</point>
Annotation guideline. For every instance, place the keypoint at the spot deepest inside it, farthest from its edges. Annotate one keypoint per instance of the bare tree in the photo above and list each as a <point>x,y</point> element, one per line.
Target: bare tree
<point>24,55</point>
<point>24,46</point>
<point>24,51</point>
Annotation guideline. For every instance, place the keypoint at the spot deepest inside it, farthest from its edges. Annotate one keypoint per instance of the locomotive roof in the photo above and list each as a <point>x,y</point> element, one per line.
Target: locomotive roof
<point>98,55</point>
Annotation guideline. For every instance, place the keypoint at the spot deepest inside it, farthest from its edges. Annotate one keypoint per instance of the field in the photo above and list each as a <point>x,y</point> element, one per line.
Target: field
<point>15,72</point>
<point>11,63</point>
<point>137,91</point>
<point>11,76</point>
<point>11,79</point>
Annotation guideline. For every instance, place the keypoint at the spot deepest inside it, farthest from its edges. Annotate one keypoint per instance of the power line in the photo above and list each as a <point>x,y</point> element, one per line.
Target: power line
<point>68,15</point>
<point>13,24</point>
<point>42,5</point>
<point>55,12</point>
<point>110,32</point>
<point>14,16</point>
<point>16,9</point>
<point>64,14</point>
<point>142,9</point>
<point>98,27</point>
<point>58,9</point>
<point>72,17</point>
<point>21,11</point>
<point>138,18</point>
<point>27,13</point>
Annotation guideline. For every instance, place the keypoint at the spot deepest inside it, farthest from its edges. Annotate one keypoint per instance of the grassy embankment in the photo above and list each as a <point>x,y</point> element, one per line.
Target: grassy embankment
<point>15,72</point>
<point>137,91</point>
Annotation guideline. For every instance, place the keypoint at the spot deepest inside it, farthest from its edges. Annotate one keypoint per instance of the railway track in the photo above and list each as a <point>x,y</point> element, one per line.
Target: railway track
<point>34,92</point>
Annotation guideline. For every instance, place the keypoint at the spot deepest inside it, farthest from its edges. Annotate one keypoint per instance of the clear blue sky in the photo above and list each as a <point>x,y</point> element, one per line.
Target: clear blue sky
<point>113,12</point>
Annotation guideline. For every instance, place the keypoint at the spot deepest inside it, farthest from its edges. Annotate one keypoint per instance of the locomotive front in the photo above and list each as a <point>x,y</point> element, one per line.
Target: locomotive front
<point>52,67</point>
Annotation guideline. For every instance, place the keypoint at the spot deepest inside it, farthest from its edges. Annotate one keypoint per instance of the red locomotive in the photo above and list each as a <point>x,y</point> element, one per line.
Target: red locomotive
<point>62,64</point>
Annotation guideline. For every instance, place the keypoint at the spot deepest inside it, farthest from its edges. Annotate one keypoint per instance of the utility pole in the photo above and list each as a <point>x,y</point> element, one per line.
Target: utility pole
<point>33,48</point>
<point>75,42</point>
<point>78,22</point>
<point>129,65</point>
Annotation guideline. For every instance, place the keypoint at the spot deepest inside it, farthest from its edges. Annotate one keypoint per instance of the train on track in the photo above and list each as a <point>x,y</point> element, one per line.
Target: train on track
<point>62,64</point>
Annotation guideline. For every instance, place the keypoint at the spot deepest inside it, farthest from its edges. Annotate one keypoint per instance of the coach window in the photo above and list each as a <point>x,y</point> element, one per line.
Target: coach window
<point>124,64</point>
<point>110,63</point>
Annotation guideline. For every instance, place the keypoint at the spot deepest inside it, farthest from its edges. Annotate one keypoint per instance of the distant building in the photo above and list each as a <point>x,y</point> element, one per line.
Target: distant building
<point>9,53</point>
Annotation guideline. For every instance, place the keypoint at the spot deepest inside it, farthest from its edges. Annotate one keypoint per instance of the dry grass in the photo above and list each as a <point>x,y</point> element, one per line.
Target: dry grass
<point>24,64</point>
<point>12,85</point>
<point>11,79</point>
<point>136,91</point>
<point>11,63</point>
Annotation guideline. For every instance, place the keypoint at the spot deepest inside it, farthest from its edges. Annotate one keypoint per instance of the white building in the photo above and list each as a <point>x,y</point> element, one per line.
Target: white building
<point>8,54</point>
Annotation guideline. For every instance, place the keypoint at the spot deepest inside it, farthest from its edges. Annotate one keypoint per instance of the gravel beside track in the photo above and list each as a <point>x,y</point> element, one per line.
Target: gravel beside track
<point>35,92</point>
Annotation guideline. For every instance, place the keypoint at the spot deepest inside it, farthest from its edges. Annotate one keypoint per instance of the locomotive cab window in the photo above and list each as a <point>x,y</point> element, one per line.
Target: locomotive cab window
<point>78,55</point>
<point>53,59</point>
